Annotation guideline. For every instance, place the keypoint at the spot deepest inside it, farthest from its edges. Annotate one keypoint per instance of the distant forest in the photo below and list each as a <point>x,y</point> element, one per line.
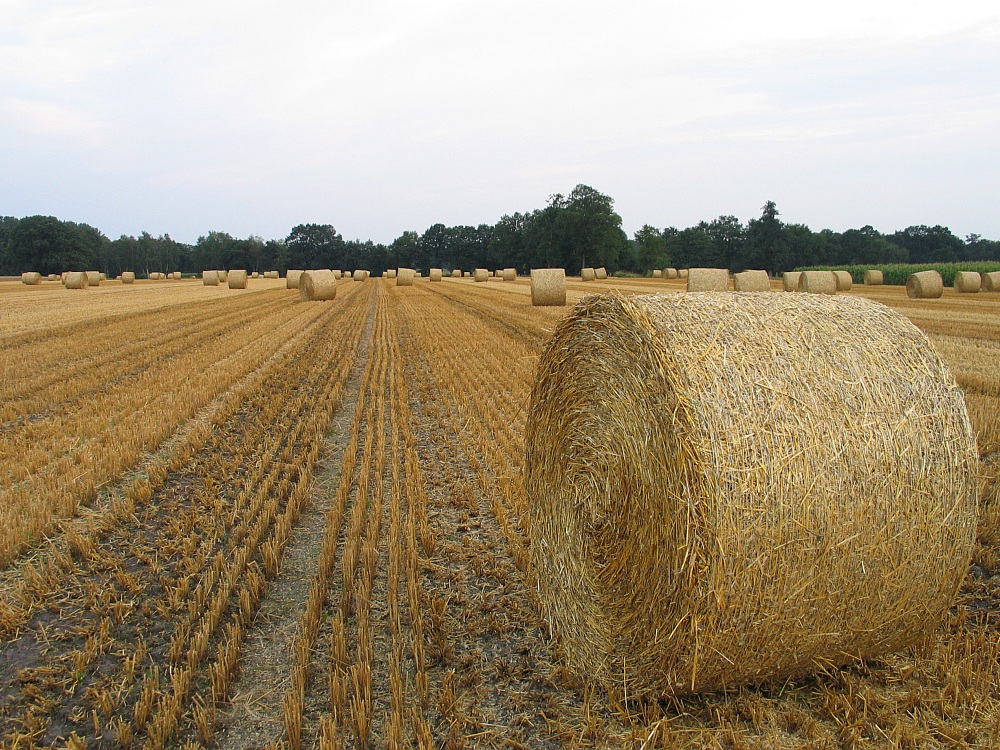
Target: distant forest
<point>573,231</point>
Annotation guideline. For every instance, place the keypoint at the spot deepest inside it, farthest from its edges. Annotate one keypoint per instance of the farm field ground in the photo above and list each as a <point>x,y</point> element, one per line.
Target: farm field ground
<point>233,519</point>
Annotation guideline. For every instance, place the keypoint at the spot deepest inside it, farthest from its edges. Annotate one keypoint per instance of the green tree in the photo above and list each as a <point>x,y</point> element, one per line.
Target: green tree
<point>48,245</point>
<point>315,246</point>
<point>924,244</point>
<point>651,249</point>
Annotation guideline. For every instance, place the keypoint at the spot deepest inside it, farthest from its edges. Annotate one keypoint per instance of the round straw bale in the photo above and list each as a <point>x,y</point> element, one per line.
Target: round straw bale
<point>587,274</point>
<point>708,280</point>
<point>456,273</point>
<point>510,274</point>
<point>238,279</point>
<point>436,274</point>
<point>255,275</point>
<point>404,277</point>
<point>392,273</point>
<point>359,275</point>
<point>415,273</point>
<point>670,273</point>
<point>53,277</point>
<point>31,278</point>
<point>873,277</point>
<point>844,280</point>
<point>62,276</point>
<point>924,285</point>
<point>682,273</point>
<point>128,277</point>
<point>223,276</point>
<point>657,273</point>
<point>481,274</point>
<point>790,281</point>
<point>600,273</point>
<point>548,287</point>
<point>317,285</point>
<point>681,543</point>
<point>210,278</point>
<point>76,280</point>
<point>498,274</point>
<point>93,278</point>
<point>817,282</point>
<point>292,278</point>
<point>991,281</point>
<point>968,282</point>
<point>750,281</point>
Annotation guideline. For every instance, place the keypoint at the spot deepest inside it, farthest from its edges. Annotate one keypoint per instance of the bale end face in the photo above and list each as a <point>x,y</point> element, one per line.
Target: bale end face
<point>844,280</point>
<point>601,273</point>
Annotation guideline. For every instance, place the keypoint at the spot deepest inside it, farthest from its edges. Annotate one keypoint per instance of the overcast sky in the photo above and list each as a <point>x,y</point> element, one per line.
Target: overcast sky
<point>379,116</point>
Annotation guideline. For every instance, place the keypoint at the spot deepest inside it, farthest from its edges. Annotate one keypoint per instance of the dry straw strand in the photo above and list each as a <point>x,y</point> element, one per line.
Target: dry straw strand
<point>752,281</point>
<point>237,279</point>
<point>817,282</point>
<point>968,282</point>
<point>681,543</point>
<point>874,277</point>
<point>924,285</point>
<point>548,287</point>
<point>790,281</point>
<point>708,280</point>
<point>317,285</point>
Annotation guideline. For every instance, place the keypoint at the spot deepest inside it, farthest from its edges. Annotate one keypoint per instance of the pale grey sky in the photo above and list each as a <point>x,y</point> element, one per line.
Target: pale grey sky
<point>382,116</point>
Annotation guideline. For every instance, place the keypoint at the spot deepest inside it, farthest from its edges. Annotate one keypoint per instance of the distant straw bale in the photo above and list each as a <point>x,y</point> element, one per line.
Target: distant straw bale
<point>93,278</point>
<point>481,274</point>
<point>708,280</point>
<point>680,543</point>
<point>210,278</point>
<point>53,277</point>
<point>392,273</point>
<point>548,287</point>
<point>790,281</point>
<point>682,273</point>
<point>404,277</point>
<point>844,280</point>
<point>873,277</point>
<point>751,281</point>
<point>223,277</point>
<point>128,277</point>
<point>924,285</point>
<point>817,282</point>
<point>670,273</point>
<point>968,282</point>
<point>991,281</point>
<point>456,273</point>
<point>588,274</point>
<point>317,285</point>
<point>467,274</point>
<point>498,274</point>
<point>510,274</point>
<point>238,279</point>
<point>657,273</point>
<point>600,273</point>
<point>31,278</point>
<point>292,278</point>
<point>436,274</point>
<point>76,280</point>
<point>359,275</point>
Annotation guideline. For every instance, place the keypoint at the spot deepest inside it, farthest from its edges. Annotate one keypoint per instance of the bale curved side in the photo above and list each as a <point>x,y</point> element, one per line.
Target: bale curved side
<point>436,275</point>
<point>210,278</point>
<point>391,273</point>
<point>601,273</point>
<point>874,277</point>
<point>588,274</point>
<point>292,278</point>
<point>968,282</point>
<point>481,274</point>
<point>31,278</point>
<point>76,280</point>
<point>680,543</point>
<point>548,287</point>
<point>93,278</point>
<point>844,280</point>
<point>991,281</point>
<point>317,286</point>
<point>708,280</point>
<point>237,279</point>
<point>670,273</point>
<point>924,285</point>
<point>128,277</point>
<point>404,277</point>
<point>752,281</point>
<point>817,282</point>
<point>510,274</point>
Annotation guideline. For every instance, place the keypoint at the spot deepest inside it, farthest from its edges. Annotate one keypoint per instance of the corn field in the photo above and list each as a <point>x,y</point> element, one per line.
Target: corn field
<point>235,519</point>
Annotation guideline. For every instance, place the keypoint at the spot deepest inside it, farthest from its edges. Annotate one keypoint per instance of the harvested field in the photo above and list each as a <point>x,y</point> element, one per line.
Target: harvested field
<point>305,526</point>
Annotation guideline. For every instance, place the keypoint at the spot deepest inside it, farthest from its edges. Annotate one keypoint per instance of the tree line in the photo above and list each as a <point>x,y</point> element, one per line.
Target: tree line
<point>572,232</point>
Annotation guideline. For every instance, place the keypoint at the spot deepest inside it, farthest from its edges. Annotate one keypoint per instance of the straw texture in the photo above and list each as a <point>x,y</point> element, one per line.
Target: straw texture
<point>128,277</point>
<point>317,285</point>
<point>874,277</point>
<point>31,278</point>
<point>548,287</point>
<point>708,280</point>
<point>292,278</point>
<point>844,280</point>
<point>481,274</point>
<point>752,281</point>
<point>510,274</point>
<point>687,538</point>
<point>968,282</point>
<point>435,274</point>
<point>210,278</point>
<point>404,277</point>
<point>924,285</point>
<point>817,282</point>
<point>790,281</point>
<point>237,279</point>
<point>991,281</point>
<point>76,280</point>
<point>587,274</point>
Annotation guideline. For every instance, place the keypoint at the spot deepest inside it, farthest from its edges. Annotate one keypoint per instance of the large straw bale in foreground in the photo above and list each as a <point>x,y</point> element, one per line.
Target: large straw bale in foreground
<point>31,278</point>
<point>924,285</point>
<point>968,282</point>
<point>292,277</point>
<point>481,274</point>
<point>991,281</point>
<point>681,542</point>
<point>844,280</point>
<point>210,278</point>
<point>436,274</point>
<point>790,281</point>
<point>708,280</point>
<point>317,285</point>
<point>874,277</point>
<point>238,279</point>
<point>128,277</point>
<point>548,287</point>
<point>752,281</point>
<point>817,282</point>
<point>404,277</point>
<point>76,280</point>
<point>587,274</point>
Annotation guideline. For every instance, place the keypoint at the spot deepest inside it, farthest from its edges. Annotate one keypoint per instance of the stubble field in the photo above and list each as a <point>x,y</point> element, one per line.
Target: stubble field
<point>233,519</point>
